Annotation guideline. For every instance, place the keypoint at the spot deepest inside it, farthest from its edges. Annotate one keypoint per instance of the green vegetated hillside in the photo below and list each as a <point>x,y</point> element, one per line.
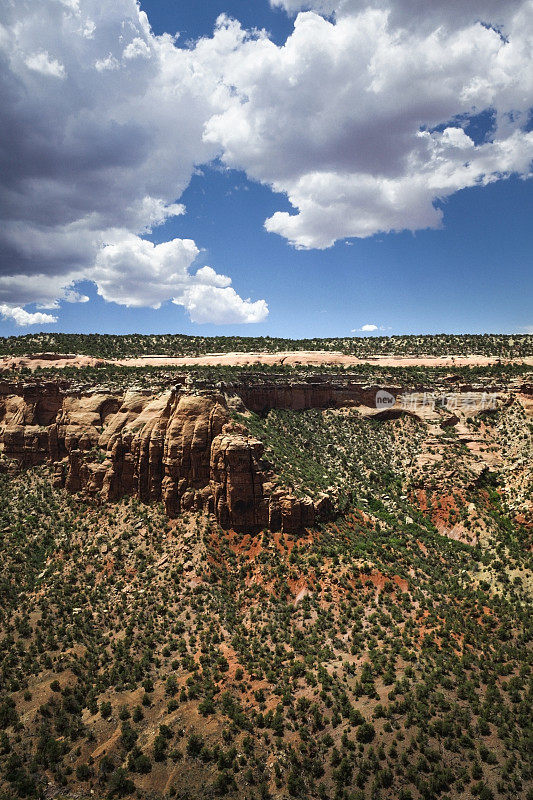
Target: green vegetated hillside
<point>376,656</point>
<point>111,346</point>
<point>313,451</point>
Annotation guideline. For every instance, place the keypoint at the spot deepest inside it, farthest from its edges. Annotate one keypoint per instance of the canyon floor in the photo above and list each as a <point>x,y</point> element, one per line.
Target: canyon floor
<point>266,579</point>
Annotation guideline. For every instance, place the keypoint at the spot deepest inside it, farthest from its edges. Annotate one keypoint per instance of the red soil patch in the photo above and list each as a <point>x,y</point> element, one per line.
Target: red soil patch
<point>379,580</point>
<point>298,588</point>
<point>422,546</point>
<point>442,508</point>
<point>247,545</point>
<point>109,566</point>
<point>444,511</point>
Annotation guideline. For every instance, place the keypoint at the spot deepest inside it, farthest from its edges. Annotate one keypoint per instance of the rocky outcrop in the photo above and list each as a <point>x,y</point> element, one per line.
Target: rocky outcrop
<point>237,479</point>
<point>243,490</point>
<point>305,394</point>
<point>179,446</point>
<point>40,422</point>
<point>195,421</point>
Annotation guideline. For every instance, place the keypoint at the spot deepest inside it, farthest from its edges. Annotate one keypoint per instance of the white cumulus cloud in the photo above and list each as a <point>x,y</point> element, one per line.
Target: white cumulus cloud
<point>220,305</point>
<point>360,120</point>
<point>43,63</point>
<point>136,272</point>
<point>137,48</point>
<point>369,327</point>
<point>109,62</point>
<point>94,161</point>
<point>412,13</point>
<point>22,317</point>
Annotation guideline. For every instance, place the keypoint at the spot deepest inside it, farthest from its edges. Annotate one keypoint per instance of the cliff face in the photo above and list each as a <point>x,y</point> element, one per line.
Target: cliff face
<point>301,395</point>
<point>176,447</point>
<point>181,447</point>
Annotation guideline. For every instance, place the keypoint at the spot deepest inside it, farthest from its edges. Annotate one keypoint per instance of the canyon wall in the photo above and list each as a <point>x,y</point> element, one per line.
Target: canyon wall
<point>182,447</point>
<point>302,395</point>
<point>178,447</point>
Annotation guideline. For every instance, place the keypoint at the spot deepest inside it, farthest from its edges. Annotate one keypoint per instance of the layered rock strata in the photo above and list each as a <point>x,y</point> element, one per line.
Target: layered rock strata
<point>177,447</point>
<point>182,448</point>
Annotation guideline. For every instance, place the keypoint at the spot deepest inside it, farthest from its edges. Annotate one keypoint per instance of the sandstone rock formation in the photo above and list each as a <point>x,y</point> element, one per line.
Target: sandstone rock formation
<point>177,447</point>
<point>181,446</point>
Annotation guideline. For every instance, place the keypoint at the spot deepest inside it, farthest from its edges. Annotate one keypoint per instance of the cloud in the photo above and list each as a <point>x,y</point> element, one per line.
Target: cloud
<point>363,125</point>
<point>101,130</point>
<point>137,48</point>
<point>370,328</point>
<point>109,62</point>
<point>43,63</point>
<point>361,119</point>
<point>22,317</point>
<point>207,276</point>
<point>47,291</point>
<point>220,305</point>
<point>136,272</point>
<point>412,13</point>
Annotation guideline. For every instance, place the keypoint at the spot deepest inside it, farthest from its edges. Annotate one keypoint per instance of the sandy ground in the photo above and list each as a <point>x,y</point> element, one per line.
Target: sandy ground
<point>311,358</point>
<point>43,360</point>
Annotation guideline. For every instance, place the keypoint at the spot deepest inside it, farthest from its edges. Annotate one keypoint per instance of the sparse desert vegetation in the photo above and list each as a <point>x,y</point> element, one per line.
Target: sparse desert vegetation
<point>134,345</point>
<point>383,653</point>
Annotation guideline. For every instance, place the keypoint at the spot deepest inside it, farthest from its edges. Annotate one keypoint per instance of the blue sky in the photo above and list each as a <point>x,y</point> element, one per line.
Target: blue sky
<point>471,274</point>
<point>192,20</point>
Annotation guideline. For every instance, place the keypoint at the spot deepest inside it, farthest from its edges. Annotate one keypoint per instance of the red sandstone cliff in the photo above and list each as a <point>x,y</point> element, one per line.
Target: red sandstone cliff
<point>176,447</point>
<point>180,446</point>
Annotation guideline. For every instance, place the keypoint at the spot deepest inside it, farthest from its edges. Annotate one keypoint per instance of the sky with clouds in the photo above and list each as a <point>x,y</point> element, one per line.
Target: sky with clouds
<point>329,167</point>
